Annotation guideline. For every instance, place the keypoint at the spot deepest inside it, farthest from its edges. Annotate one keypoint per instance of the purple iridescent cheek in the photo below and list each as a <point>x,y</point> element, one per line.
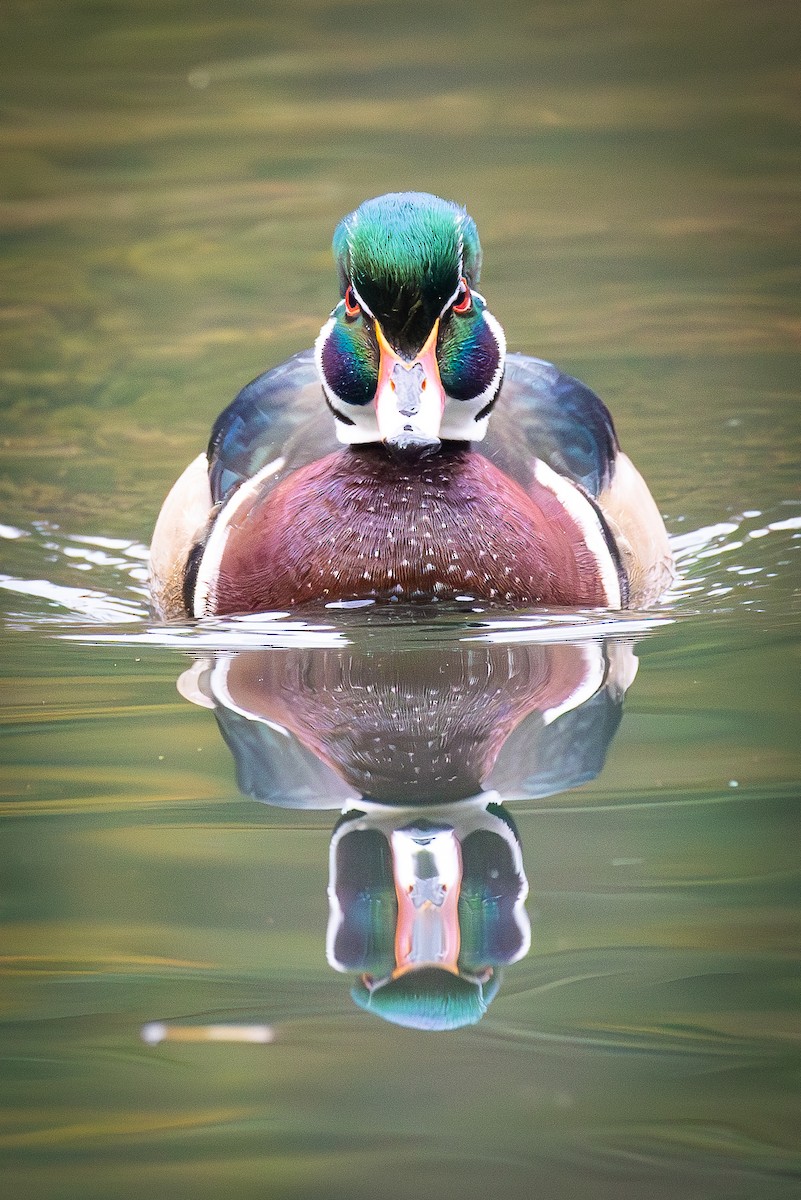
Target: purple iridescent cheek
<point>350,363</point>
<point>468,356</point>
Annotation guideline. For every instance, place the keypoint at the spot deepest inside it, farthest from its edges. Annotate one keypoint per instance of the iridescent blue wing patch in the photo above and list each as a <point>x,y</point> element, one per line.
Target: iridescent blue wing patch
<point>259,426</point>
<point>543,412</point>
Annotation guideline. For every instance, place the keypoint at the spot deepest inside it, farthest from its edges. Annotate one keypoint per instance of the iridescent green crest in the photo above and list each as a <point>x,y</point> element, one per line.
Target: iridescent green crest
<point>405,254</point>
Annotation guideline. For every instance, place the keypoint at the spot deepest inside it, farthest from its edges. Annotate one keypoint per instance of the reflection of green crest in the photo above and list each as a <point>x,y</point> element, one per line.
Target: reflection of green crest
<point>429,998</point>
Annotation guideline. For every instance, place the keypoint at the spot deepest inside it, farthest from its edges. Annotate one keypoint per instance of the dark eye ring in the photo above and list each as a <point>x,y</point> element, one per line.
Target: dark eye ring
<point>352,306</point>
<point>464,299</point>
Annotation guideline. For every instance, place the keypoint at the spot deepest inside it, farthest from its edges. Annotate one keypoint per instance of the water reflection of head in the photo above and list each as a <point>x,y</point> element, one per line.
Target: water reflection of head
<point>426,881</point>
<point>426,909</point>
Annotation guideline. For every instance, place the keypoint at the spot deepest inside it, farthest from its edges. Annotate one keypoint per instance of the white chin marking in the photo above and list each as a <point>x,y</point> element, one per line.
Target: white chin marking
<point>459,422</point>
<point>585,516</point>
<point>364,428</point>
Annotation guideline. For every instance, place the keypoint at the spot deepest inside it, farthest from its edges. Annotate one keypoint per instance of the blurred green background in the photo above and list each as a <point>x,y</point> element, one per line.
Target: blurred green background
<point>172,175</point>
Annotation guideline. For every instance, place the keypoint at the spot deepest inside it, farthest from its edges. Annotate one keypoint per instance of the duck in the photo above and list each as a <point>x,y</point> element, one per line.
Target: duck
<point>408,457</point>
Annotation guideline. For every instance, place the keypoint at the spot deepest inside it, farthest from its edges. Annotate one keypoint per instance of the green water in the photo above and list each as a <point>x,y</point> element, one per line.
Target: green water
<point>171,178</point>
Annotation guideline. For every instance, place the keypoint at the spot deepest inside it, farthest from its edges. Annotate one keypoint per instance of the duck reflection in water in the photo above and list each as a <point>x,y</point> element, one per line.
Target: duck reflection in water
<point>419,747</point>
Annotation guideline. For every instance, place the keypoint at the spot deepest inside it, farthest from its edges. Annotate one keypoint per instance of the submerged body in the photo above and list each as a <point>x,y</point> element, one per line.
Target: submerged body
<point>408,457</point>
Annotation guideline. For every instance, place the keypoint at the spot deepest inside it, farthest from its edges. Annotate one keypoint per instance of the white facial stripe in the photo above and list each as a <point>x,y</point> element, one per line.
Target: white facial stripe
<point>365,426</point>
<point>451,299</point>
<point>333,399</point>
<point>496,328</point>
<point>362,304</point>
<point>585,516</point>
<point>322,338</point>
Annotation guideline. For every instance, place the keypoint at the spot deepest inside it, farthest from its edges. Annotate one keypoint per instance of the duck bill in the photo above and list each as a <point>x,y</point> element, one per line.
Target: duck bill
<point>410,397</point>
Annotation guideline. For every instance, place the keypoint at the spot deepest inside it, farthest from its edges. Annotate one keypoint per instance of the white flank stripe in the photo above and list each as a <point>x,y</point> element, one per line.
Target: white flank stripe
<point>586,518</point>
<point>215,546</point>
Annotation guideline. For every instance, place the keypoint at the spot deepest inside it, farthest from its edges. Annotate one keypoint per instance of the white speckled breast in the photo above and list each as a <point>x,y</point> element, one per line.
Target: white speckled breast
<point>358,524</point>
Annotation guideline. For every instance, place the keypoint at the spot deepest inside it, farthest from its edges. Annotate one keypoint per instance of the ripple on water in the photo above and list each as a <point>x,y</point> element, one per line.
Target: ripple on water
<point>748,561</point>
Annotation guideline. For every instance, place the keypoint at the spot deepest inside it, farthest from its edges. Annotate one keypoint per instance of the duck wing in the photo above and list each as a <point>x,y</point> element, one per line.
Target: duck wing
<point>276,421</point>
<point>541,413</point>
<point>280,417</point>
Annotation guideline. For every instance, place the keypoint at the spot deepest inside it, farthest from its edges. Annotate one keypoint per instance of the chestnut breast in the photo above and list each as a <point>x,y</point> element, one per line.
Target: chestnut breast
<point>359,524</point>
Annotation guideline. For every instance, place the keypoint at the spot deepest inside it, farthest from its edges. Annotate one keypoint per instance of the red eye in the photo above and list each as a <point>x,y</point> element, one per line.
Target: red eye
<point>352,306</point>
<point>463,301</point>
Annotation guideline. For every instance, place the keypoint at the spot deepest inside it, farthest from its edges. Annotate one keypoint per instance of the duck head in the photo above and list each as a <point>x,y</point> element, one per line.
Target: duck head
<point>411,355</point>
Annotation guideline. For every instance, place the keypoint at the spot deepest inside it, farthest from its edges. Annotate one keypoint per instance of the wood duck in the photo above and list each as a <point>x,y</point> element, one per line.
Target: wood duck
<point>408,457</point>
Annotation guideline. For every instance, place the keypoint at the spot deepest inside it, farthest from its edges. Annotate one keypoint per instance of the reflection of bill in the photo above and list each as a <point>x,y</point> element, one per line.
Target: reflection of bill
<point>418,747</point>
